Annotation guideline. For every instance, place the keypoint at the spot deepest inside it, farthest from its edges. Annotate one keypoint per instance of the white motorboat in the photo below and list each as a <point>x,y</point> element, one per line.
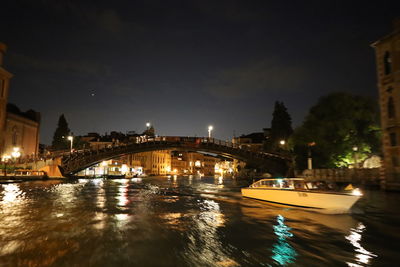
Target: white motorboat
<point>296,192</point>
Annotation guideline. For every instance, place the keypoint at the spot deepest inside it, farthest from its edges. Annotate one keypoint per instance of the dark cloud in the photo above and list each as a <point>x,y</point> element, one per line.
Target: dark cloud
<point>32,63</point>
<point>107,19</point>
<point>268,75</point>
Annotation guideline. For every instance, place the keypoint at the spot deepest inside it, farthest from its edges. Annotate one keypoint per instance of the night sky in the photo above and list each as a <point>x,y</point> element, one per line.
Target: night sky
<point>183,65</point>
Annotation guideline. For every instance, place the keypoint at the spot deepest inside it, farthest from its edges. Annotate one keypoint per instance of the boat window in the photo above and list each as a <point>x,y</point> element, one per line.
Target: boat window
<point>299,185</point>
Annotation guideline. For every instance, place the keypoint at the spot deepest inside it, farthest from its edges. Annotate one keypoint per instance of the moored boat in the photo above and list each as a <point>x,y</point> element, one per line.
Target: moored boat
<point>295,192</point>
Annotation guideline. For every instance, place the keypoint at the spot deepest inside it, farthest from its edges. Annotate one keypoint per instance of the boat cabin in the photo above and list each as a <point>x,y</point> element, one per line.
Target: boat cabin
<point>293,184</point>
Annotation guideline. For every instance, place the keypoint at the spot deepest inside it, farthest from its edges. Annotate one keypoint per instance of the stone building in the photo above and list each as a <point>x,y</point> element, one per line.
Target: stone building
<point>387,51</point>
<point>5,77</point>
<point>190,162</point>
<point>17,129</point>
<point>156,162</point>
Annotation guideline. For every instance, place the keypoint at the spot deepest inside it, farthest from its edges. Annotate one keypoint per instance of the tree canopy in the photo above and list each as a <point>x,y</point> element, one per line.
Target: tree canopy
<point>60,135</point>
<point>338,126</point>
<point>281,126</point>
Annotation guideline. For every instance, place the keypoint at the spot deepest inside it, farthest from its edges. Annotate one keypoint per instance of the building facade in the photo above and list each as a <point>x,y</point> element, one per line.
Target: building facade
<point>5,77</point>
<point>187,162</point>
<point>156,162</point>
<point>387,50</point>
<point>17,129</point>
<point>22,131</point>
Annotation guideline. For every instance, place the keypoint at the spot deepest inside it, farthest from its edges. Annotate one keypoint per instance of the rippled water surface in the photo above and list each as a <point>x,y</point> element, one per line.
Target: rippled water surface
<point>185,221</point>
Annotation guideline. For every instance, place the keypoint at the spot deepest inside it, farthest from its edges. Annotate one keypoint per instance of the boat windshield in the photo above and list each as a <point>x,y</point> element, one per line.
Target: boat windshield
<point>281,184</point>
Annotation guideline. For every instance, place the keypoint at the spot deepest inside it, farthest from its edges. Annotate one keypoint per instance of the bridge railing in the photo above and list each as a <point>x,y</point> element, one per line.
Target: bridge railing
<point>158,139</point>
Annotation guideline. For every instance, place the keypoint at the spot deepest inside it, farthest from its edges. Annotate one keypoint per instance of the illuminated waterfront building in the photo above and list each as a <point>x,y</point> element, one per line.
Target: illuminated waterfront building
<point>387,51</point>
<point>188,162</point>
<point>156,162</point>
<point>17,129</point>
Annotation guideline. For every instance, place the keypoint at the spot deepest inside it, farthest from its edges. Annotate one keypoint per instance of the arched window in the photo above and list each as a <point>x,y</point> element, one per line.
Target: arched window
<point>14,136</point>
<point>391,108</point>
<point>387,62</point>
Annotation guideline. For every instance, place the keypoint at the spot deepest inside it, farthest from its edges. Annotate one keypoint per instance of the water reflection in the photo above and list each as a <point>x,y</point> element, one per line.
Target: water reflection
<point>127,222</point>
<point>363,256</point>
<point>205,247</point>
<point>283,252</point>
<point>11,193</point>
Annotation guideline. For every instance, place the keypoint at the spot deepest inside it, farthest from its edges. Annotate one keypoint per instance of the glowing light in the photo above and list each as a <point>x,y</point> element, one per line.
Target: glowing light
<point>124,169</point>
<point>71,138</point>
<point>148,124</point>
<point>16,153</point>
<point>356,192</point>
<point>210,128</point>
<point>282,142</point>
<point>5,157</point>
<point>197,163</point>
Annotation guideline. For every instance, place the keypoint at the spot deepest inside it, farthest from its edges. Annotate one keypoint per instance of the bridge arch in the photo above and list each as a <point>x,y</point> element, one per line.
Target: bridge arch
<point>272,163</point>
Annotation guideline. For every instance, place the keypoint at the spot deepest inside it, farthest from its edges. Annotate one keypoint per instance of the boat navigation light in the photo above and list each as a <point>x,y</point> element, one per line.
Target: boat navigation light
<point>357,192</point>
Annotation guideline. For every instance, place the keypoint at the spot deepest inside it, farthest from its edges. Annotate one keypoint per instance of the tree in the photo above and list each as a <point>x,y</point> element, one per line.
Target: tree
<point>60,140</point>
<point>150,131</point>
<point>281,127</point>
<point>336,128</point>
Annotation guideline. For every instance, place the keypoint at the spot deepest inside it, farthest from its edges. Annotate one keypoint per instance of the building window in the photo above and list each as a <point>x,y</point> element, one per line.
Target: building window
<point>393,139</point>
<point>395,161</point>
<point>391,109</point>
<point>2,88</point>
<point>14,136</point>
<point>387,62</point>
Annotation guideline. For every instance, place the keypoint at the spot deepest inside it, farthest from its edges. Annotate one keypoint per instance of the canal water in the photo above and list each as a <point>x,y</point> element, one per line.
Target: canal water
<point>185,221</point>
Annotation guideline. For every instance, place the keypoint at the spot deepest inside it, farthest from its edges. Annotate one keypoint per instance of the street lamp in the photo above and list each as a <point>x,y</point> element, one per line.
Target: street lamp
<point>355,149</point>
<point>15,154</point>
<point>309,159</point>
<point>148,125</point>
<point>71,138</point>
<point>210,128</point>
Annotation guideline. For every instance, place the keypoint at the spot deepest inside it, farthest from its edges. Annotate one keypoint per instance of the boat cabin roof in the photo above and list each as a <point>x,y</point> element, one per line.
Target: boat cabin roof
<point>279,179</point>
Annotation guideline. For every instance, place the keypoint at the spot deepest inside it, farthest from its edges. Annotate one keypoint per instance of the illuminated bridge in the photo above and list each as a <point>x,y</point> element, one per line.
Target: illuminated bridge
<point>274,164</point>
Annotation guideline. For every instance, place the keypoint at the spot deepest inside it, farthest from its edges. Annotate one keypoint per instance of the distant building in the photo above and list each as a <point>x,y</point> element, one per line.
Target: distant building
<point>253,141</point>
<point>190,162</point>
<point>17,128</point>
<point>22,131</point>
<point>387,51</point>
<point>156,162</point>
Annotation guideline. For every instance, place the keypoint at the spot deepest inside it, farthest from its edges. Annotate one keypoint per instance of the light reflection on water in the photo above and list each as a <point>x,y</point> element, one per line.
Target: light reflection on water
<point>11,194</point>
<point>363,256</point>
<point>190,221</point>
<point>283,252</point>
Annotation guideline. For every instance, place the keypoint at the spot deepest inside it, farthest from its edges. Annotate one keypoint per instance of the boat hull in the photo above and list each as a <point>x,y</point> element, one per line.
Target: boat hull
<point>325,202</point>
